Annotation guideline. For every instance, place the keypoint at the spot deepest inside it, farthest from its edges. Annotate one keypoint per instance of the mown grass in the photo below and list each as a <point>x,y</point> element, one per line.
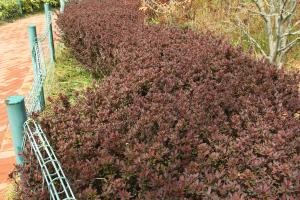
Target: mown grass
<point>11,192</point>
<point>69,75</point>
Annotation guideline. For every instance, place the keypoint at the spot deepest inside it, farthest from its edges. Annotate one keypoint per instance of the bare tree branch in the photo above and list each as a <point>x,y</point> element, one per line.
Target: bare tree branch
<point>280,27</point>
<point>253,41</point>
<point>289,45</point>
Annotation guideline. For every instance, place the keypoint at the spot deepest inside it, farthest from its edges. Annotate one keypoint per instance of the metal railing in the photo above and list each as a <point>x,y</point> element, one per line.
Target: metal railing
<point>58,185</point>
<point>25,130</point>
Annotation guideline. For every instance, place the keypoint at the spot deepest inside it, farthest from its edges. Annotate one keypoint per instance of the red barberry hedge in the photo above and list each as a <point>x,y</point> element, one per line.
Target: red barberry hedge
<point>182,116</point>
<point>103,25</point>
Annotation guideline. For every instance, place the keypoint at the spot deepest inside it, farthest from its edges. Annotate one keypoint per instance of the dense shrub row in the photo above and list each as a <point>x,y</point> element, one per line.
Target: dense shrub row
<point>95,37</point>
<point>182,115</point>
<point>9,9</point>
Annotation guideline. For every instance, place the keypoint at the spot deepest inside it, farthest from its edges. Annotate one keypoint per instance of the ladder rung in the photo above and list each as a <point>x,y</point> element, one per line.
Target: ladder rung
<point>43,146</point>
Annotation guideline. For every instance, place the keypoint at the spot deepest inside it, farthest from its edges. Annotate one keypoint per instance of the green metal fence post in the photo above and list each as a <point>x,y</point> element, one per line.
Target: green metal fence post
<point>50,36</point>
<point>33,43</point>
<point>16,117</point>
<point>20,6</point>
<point>62,6</point>
<point>42,98</point>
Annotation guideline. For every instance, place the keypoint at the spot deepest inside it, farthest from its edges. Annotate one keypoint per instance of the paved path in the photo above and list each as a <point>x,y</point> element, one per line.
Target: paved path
<point>15,78</point>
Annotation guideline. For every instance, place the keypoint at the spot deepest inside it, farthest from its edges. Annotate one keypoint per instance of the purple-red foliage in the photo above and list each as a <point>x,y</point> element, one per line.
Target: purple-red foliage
<point>182,116</point>
<point>95,36</point>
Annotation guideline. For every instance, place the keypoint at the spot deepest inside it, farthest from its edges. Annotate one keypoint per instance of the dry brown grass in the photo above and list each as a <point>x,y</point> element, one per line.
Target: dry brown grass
<point>218,17</point>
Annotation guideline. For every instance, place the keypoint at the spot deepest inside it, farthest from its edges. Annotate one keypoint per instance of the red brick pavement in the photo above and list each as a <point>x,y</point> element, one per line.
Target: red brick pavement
<point>15,78</point>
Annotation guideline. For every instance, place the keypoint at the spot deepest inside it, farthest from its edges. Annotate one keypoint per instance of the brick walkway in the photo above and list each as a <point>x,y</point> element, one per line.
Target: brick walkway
<point>15,78</point>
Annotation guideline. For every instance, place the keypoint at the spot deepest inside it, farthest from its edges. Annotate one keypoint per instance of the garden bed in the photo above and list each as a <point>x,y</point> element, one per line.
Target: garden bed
<point>178,115</point>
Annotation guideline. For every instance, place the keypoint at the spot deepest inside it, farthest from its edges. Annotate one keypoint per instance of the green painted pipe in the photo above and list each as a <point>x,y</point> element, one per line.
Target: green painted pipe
<point>62,6</point>
<point>42,99</point>
<point>16,117</point>
<point>50,36</point>
<point>32,42</point>
<point>20,6</point>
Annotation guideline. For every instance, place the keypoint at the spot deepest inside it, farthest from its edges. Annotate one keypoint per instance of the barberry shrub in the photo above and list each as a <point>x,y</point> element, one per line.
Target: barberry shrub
<point>95,36</point>
<point>182,116</point>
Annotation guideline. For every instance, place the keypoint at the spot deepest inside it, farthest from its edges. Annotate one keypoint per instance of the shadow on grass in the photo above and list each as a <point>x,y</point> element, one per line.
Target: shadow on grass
<point>69,75</point>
